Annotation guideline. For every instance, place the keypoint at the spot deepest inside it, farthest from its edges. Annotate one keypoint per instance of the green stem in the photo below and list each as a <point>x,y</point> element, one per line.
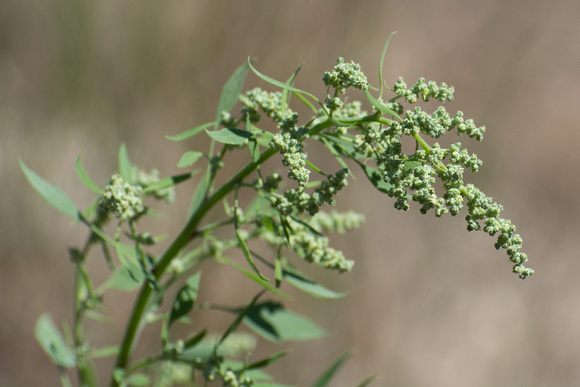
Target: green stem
<point>185,236</point>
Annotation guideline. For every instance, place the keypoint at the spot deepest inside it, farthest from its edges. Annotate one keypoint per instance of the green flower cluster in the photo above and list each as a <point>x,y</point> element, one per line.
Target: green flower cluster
<point>345,75</point>
<point>122,199</point>
<point>308,241</point>
<point>423,89</point>
<point>298,201</point>
<point>269,103</point>
<point>412,177</point>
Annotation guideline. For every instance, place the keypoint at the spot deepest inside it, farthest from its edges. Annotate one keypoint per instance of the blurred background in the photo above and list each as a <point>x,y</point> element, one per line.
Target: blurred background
<point>430,304</point>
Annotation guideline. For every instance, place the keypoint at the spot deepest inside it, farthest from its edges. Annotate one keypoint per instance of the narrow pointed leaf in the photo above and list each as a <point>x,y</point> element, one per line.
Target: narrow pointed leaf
<point>51,340</point>
<point>121,279</point>
<point>281,84</point>
<point>271,321</point>
<point>325,378</point>
<point>231,90</point>
<point>286,94</point>
<point>253,276</point>
<point>191,132</point>
<point>248,256</point>
<point>381,63</point>
<point>267,361</point>
<point>169,181</point>
<point>311,287</point>
<point>193,341</point>
<point>50,193</point>
<point>85,179</point>
<point>185,298</point>
<point>189,158</point>
<point>230,136</point>
<point>125,166</point>
<point>381,106</point>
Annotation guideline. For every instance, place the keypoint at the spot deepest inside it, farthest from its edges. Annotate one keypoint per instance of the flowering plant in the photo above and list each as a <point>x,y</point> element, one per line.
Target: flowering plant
<point>285,214</point>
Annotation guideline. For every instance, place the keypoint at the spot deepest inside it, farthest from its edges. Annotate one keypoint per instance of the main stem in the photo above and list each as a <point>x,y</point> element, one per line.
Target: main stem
<point>178,244</point>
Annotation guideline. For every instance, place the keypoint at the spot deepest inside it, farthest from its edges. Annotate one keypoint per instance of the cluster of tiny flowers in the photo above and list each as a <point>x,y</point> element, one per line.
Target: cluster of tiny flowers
<point>299,201</point>
<point>423,89</point>
<point>313,247</point>
<point>345,75</point>
<point>229,377</point>
<point>483,208</point>
<point>289,144</point>
<point>269,103</point>
<point>122,199</point>
<point>339,222</point>
<point>145,179</point>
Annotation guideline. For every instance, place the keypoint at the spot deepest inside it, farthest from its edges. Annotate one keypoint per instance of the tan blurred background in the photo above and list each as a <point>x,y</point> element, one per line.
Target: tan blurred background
<point>429,303</point>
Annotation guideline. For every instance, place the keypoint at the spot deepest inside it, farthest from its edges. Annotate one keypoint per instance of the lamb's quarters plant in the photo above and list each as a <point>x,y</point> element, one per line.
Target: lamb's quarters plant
<point>285,213</point>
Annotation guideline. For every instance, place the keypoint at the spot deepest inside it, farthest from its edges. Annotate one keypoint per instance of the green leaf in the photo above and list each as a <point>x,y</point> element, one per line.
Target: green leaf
<point>253,276</point>
<point>189,158</point>
<point>382,61</point>
<point>50,193</point>
<point>315,168</point>
<point>84,177</point>
<point>286,94</point>
<point>230,136</point>
<point>231,90</point>
<point>381,106</point>
<point>50,339</point>
<point>191,132</point>
<point>267,361</point>
<point>281,84</point>
<point>169,181</point>
<point>311,287</point>
<point>125,166</point>
<point>248,256</point>
<point>129,262</point>
<point>185,298</point>
<point>193,341</point>
<point>325,378</point>
<point>271,321</point>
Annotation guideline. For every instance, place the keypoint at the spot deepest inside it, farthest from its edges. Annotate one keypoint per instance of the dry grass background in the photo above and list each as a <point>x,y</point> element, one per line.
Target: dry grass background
<point>429,303</point>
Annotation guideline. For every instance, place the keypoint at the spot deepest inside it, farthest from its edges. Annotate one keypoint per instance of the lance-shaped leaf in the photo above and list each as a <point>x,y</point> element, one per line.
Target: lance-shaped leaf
<point>248,256</point>
<point>185,298</point>
<point>125,166</point>
<point>271,321</point>
<point>51,341</point>
<point>381,106</point>
<point>85,179</point>
<point>282,84</point>
<point>189,158</point>
<point>169,181</point>
<point>191,132</point>
<point>381,63</point>
<point>311,287</point>
<point>51,193</point>
<point>231,90</point>
<point>230,136</point>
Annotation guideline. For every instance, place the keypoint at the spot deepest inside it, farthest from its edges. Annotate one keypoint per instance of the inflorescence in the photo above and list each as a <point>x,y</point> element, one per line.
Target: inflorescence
<point>407,177</point>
